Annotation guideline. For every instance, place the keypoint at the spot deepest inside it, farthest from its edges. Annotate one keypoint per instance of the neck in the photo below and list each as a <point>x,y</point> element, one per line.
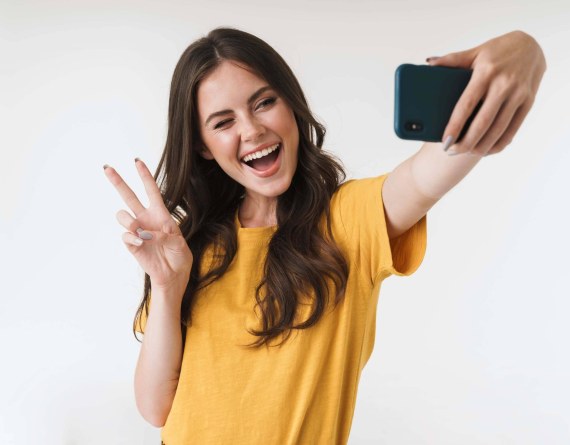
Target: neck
<point>258,211</point>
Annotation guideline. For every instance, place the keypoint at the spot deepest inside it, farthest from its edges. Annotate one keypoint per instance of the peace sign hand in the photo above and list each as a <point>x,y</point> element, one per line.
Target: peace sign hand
<point>166,257</point>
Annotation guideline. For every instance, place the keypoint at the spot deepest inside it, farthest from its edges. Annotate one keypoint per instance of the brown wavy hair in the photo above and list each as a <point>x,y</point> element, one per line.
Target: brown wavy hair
<point>203,199</point>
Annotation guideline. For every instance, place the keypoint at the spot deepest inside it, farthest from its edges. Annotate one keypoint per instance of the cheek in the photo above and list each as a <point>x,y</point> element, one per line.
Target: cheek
<point>287,124</point>
<point>223,144</point>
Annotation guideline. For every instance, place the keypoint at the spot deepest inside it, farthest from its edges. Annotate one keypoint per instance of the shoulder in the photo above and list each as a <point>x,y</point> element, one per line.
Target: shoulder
<point>357,191</point>
<point>357,203</point>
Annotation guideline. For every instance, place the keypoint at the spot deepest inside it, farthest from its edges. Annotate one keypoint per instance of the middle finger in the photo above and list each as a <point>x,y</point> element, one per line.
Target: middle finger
<point>482,121</point>
<point>499,126</point>
<point>152,190</point>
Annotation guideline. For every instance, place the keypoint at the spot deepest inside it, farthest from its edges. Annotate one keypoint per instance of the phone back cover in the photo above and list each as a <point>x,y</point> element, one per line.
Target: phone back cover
<point>427,95</point>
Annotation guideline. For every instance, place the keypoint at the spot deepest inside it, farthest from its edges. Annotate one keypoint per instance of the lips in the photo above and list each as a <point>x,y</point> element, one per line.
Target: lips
<point>271,170</point>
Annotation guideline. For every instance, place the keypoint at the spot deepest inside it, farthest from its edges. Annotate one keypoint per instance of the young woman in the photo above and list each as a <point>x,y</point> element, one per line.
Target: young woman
<point>264,265</point>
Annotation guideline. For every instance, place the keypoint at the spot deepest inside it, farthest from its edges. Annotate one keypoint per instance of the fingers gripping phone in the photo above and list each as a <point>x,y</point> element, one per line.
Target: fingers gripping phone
<point>424,100</point>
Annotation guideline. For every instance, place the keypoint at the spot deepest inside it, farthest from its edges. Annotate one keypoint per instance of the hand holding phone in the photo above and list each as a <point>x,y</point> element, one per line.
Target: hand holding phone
<point>424,100</point>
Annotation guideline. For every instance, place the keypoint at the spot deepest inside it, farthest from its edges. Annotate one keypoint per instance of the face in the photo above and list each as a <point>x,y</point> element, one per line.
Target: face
<point>241,115</point>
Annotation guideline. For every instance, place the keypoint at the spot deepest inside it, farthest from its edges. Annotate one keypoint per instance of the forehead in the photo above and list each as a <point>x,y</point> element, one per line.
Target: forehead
<point>228,86</point>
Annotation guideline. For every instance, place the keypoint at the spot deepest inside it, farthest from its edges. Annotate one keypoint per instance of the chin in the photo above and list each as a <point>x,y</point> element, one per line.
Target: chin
<point>273,190</point>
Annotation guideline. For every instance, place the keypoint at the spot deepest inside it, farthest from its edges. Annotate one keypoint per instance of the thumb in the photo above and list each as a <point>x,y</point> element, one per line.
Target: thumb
<point>145,234</point>
<point>461,59</point>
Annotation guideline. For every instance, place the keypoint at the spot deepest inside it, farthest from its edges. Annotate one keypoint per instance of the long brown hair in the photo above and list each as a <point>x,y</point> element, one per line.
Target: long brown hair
<point>203,199</point>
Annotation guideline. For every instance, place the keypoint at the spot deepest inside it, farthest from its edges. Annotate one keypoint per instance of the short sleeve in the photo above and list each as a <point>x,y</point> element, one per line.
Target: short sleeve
<point>364,220</point>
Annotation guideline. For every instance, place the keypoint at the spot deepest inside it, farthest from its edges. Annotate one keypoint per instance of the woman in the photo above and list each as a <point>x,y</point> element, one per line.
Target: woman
<point>253,235</point>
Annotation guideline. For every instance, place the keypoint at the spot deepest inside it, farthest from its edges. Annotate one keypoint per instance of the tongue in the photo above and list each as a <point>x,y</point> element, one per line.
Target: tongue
<point>265,162</point>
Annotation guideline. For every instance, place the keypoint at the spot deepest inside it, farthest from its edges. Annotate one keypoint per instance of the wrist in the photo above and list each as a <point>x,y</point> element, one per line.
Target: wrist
<point>172,290</point>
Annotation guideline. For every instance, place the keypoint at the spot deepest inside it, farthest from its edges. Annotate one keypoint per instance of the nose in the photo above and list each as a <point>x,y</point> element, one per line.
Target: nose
<point>251,129</point>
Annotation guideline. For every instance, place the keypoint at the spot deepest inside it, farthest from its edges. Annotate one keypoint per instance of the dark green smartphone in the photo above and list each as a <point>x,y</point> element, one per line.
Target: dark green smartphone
<point>425,97</point>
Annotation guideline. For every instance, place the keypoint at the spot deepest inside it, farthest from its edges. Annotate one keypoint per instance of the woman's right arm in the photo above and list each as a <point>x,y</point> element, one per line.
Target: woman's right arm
<point>156,242</point>
<point>160,358</point>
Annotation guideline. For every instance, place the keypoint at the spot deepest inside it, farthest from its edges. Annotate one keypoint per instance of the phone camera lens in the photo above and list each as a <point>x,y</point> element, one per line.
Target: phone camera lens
<point>414,126</point>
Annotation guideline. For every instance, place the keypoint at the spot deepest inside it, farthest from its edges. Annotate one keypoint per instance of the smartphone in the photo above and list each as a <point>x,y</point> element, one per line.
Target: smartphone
<point>425,97</point>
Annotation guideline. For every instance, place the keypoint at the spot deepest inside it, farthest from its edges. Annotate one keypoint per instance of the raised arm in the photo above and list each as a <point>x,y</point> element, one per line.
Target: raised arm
<point>507,72</point>
<point>415,185</point>
<point>156,242</point>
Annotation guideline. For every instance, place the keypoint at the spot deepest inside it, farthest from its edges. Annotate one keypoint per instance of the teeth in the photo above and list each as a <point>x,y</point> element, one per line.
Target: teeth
<point>260,153</point>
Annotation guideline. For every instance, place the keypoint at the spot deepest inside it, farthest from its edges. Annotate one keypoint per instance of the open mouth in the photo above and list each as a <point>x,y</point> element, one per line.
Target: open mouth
<point>264,162</point>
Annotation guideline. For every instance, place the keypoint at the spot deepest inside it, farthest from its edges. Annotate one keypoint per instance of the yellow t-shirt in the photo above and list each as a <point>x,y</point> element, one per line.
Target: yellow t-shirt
<point>304,391</point>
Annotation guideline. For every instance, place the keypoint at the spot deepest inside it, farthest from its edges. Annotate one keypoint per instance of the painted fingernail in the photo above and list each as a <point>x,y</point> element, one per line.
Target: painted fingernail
<point>144,235</point>
<point>448,142</point>
<point>138,242</point>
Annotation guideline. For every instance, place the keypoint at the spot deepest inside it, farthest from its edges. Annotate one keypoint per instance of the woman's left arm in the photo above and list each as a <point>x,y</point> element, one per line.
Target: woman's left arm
<point>507,71</point>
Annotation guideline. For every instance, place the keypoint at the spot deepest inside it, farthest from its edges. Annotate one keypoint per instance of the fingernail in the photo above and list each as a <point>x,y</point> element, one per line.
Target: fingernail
<point>138,241</point>
<point>144,235</point>
<point>105,167</point>
<point>430,59</point>
<point>448,142</point>
<point>137,159</point>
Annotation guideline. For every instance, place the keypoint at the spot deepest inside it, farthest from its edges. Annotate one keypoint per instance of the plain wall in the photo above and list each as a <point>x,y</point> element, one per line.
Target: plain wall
<point>471,349</point>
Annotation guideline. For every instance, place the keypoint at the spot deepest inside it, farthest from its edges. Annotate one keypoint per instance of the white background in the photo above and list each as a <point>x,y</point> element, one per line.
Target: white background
<point>471,349</point>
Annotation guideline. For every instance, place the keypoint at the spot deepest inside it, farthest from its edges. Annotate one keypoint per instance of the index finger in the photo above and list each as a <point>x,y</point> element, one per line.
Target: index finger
<point>124,190</point>
<point>152,190</point>
<point>465,108</point>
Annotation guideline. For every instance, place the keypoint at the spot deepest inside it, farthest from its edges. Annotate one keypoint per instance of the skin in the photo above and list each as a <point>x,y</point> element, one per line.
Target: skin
<point>165,257</point>
<point>244,127</point>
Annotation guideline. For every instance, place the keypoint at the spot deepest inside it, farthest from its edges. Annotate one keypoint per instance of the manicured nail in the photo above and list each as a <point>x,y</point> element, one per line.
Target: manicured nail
<point>138,241</point>
<point>448,142</point>
<point>144,235</point>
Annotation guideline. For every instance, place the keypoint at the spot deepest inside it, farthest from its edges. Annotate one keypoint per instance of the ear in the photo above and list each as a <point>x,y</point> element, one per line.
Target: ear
<point>206,153</point>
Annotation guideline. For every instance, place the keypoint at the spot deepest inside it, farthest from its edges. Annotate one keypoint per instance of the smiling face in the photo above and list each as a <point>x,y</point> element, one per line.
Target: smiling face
<point>240,115</point>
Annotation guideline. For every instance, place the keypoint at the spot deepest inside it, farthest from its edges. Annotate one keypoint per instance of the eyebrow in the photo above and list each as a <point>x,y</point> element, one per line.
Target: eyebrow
<point>251,99</point>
